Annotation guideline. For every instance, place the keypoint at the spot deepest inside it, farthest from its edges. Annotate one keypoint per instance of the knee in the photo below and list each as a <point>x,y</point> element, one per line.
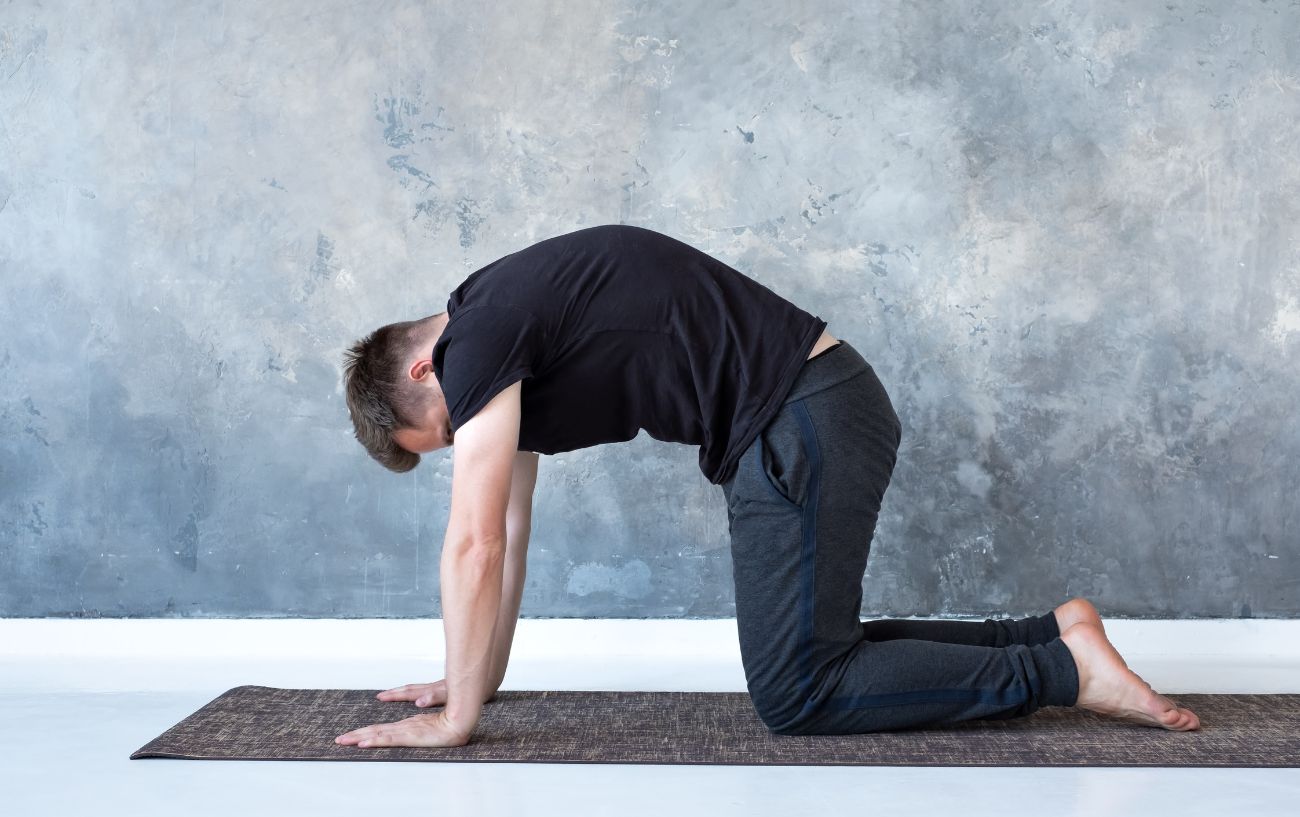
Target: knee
<point>766,708</point>
<point>800,721</point>
<point>788,729</point>
<point>781,711</point>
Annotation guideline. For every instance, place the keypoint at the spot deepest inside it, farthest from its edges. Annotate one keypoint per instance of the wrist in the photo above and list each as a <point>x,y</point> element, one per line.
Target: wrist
<point>462,719</point>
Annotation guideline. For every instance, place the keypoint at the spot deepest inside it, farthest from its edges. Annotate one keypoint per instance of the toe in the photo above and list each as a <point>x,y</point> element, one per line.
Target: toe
<point>1173,718</point>
<point>1184,721</point>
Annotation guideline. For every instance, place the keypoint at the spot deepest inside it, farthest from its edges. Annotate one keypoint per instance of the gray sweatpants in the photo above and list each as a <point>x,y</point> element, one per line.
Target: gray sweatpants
<point>802,508</point>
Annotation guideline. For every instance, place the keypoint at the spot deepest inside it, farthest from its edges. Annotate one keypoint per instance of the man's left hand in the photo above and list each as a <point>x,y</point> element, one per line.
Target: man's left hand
<point>428,729</point>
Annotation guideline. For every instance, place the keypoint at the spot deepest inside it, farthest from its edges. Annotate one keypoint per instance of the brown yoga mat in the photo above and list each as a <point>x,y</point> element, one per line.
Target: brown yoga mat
<point>524,726</point>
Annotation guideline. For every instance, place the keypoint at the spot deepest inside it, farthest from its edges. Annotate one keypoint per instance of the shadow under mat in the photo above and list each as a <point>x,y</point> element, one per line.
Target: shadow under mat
<point>565,726</point>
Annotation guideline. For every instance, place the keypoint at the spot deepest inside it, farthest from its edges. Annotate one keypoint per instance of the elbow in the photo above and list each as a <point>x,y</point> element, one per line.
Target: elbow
<point>483,548</point>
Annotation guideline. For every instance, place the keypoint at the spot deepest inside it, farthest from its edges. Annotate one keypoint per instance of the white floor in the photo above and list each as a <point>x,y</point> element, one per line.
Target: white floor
<point>77,697</point>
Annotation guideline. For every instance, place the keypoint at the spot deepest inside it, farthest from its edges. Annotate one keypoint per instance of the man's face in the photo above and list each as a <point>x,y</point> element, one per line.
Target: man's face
<point>433,434</point>
<point>434,430</point>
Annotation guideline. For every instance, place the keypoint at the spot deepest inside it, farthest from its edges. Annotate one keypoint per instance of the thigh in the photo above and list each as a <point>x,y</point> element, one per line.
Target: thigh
<point>768,567</point>
<point>802,509</point>
<point>855,433</point>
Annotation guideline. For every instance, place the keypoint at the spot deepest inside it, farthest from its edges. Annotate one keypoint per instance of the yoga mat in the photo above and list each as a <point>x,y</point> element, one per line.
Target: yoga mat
<point>525,726</point>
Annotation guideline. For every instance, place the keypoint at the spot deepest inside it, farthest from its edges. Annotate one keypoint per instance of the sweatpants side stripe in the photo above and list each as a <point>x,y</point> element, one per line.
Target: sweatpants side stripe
<point>808,560</point>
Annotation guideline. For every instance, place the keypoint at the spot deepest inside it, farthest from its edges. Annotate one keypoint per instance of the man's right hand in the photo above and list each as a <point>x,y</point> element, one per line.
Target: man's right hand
<point>423,695</point>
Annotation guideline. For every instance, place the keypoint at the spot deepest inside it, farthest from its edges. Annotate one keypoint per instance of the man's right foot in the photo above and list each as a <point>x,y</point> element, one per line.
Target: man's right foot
<point>1075,610</point>
<point>1108,687</point>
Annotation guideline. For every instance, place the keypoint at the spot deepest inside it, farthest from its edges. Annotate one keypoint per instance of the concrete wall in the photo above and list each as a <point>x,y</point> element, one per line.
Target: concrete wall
<point>1065,234</point>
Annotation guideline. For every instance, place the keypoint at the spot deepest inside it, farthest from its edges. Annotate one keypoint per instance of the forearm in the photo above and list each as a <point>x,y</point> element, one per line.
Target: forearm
<point>512,592</point>
<point>471,585</point>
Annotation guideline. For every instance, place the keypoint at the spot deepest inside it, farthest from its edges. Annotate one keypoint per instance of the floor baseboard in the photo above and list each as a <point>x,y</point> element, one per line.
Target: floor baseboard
<point>1185,655</point>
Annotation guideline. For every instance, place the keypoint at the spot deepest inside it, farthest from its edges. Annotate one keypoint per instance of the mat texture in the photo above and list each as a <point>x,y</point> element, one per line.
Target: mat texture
<point>269,723</point>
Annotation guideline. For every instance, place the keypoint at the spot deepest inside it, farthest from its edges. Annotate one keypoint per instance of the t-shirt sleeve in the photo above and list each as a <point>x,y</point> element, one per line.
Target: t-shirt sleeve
<point>483,350</point>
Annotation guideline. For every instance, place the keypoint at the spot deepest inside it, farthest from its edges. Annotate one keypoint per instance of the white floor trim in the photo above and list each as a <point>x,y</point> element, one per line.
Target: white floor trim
<point>1174,656</point>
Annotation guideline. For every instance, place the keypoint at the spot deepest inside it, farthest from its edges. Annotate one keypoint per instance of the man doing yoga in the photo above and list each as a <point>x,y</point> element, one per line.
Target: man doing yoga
<point>588,338</point>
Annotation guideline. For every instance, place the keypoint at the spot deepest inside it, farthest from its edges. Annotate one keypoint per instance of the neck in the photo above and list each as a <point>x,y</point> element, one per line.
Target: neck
<point>430,331</point>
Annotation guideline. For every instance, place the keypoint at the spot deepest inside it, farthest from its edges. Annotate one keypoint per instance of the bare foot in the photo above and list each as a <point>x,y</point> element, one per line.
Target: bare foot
<point>1108,687</point>
<point>1076,610</point>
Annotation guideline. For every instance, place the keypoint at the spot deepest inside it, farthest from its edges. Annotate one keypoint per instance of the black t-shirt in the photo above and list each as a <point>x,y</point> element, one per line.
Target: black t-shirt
<point>615,329</point>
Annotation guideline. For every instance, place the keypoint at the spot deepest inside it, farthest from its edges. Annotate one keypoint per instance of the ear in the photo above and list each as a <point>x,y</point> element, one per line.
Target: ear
<point>420,369</point>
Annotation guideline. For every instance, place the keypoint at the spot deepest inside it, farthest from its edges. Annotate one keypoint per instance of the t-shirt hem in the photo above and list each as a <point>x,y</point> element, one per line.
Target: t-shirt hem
<point>765,414</point>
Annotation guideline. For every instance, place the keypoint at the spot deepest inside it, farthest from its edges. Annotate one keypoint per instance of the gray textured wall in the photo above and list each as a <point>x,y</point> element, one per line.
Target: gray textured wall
<point>1065,234</point>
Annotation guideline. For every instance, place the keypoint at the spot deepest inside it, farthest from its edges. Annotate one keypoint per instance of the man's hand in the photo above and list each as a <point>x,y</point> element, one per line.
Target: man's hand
<point>434,694</point>
<point>428,729</point>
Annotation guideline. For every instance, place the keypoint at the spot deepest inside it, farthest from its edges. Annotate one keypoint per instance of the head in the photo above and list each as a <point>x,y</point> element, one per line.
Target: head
<point>397,407</point>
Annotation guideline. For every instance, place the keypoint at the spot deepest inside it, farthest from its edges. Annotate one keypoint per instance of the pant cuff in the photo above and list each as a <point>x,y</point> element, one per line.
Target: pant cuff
<point>1049,627</point>
<point>1057,673</point>
<point>1030,630</point>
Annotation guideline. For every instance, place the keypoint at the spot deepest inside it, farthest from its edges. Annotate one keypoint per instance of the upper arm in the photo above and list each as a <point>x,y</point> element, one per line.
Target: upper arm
<point>484,460</point>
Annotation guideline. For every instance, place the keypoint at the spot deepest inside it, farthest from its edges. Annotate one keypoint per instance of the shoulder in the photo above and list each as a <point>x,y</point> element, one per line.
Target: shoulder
<point>489,320</point>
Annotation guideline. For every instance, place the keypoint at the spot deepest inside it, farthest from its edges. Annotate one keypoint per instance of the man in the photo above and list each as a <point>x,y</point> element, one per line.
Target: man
<point>589,337</point>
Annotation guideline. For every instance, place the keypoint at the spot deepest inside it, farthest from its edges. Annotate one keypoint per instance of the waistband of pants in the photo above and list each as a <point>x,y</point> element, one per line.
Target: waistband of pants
<point>830,368</point>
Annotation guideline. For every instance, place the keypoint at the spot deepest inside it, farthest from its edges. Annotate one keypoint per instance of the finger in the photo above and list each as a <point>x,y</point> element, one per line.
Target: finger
<point>359,734</point>
<point>406,692</point>
<point>391,735</point>
<point>376,742</point>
